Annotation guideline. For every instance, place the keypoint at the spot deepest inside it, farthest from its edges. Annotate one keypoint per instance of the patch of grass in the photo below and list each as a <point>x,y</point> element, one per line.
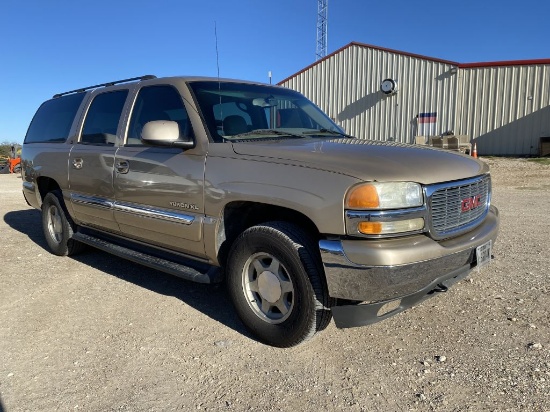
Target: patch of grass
<point>541,160</point>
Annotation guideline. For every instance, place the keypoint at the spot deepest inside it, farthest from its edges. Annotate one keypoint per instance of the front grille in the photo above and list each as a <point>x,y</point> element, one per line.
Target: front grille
<point>451,211</point>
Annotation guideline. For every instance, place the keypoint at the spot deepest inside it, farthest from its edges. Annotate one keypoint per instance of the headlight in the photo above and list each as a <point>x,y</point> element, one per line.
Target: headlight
<point>385,209</point>
<point>391,195</point>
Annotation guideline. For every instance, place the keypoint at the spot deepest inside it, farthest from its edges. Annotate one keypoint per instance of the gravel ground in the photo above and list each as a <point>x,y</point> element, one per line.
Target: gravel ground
<point>99,333</point>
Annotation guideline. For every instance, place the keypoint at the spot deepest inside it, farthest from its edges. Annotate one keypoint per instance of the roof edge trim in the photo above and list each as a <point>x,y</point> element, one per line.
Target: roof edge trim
<point>367,46</point>
<point>419,56</point>
<point>504,63</point>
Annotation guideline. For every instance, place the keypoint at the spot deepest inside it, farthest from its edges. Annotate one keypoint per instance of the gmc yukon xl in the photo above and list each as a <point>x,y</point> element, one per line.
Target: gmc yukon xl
<point>223,180</point>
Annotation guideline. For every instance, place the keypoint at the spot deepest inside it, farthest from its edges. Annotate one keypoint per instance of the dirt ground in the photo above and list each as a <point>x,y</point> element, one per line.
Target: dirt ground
<point>97,333</point>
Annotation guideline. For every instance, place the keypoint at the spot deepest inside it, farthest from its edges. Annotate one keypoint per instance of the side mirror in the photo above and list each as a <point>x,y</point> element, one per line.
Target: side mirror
<point>164,133</point>
<point>267,102</point>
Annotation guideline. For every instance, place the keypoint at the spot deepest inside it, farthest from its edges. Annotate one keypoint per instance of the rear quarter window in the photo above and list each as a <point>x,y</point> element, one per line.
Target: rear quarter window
<point>53,119</point>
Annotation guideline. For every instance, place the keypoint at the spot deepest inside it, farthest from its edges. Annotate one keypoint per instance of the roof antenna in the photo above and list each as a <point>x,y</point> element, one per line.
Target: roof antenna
<point>217,54</point>
<point>218,66</point>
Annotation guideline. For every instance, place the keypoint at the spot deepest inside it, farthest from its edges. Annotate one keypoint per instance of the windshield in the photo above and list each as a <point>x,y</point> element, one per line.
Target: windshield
<point>234,111</point>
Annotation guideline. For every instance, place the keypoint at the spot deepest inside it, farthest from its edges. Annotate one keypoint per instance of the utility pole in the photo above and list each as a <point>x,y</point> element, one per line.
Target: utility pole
<point>322,8</point>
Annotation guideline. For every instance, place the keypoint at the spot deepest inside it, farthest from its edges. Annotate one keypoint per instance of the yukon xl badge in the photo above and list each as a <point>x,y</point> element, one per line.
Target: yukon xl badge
<point>470,203</point>
<point>183,205</point>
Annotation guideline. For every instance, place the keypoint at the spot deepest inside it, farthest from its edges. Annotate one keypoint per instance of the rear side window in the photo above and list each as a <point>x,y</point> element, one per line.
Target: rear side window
<point>52,121</point>
<point>102,119</point>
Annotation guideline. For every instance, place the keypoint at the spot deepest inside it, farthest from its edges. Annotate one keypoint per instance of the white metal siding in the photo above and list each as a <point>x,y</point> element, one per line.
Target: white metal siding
<point>347,87</point>
<point>504,109</point>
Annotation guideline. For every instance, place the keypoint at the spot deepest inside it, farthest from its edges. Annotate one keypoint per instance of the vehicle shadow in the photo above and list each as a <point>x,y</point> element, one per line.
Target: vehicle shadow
<point>28,222</point>
<point>212,300</point>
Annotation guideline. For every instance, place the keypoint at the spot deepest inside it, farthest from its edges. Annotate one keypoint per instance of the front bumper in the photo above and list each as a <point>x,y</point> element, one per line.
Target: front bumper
<point>405,270</point>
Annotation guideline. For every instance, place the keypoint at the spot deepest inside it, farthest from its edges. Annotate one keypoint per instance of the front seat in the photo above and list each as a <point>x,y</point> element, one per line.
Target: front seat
<point>233,125</point>
<point>290,118</point>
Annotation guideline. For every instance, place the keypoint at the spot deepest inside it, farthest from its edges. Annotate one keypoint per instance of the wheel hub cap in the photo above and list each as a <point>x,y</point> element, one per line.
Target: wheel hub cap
<point>269,287</point>
<point>55,226</point>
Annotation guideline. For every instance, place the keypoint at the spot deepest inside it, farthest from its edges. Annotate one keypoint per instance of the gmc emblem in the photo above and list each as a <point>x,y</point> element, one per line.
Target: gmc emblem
<point>470,203</point>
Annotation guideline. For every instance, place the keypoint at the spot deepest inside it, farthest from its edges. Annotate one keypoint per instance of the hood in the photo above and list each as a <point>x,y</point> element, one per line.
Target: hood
<point>368,160</point>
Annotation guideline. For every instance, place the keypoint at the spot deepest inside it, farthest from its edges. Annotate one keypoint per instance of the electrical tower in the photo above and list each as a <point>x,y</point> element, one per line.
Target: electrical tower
<point>322,6</point>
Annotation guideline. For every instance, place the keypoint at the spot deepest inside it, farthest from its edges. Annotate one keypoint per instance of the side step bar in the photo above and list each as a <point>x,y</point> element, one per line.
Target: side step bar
<point>212,275</point>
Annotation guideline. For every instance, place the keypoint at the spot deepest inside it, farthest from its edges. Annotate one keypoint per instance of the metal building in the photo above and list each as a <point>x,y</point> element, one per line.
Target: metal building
<point>383,94</point>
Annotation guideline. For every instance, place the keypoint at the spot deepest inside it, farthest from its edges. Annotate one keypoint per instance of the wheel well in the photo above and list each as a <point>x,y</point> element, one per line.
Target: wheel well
<point>46,185</point>
<point>239,216</point>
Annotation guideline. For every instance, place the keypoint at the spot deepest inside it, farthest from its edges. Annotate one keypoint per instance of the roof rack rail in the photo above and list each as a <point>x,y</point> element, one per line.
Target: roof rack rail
<point>146,77</point>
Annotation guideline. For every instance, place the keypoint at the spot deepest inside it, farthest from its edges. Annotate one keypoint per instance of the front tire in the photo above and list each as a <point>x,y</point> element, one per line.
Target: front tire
<point>275,280</point>
<point>57,226</point>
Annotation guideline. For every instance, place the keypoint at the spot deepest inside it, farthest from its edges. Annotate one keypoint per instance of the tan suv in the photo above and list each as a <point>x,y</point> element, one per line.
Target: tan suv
<point>212,179</point>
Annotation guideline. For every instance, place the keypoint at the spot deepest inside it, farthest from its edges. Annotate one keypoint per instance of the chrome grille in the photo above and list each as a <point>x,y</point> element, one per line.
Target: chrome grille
<point>446,206</point>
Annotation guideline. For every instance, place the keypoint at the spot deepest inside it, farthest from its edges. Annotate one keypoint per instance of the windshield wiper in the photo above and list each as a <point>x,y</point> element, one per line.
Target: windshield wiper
<point>333,132</point>
<point>260,132</point>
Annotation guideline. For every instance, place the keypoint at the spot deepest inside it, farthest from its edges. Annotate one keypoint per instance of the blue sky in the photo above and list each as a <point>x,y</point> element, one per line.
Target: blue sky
<point>51,46</point>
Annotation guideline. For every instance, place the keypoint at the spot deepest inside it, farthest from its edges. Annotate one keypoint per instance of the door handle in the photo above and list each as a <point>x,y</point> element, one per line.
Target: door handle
<point>77,163</point>
<point>122,166</point>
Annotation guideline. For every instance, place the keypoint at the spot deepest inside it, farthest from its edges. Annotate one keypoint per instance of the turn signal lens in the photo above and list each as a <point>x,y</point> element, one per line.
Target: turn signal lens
<point>387,228</point>
<point>370,228</point>
<point>385,195</point>
<point>363,197</point>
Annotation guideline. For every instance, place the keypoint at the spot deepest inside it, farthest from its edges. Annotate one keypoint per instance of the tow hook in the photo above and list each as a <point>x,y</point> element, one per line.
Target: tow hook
<point>440,288</point>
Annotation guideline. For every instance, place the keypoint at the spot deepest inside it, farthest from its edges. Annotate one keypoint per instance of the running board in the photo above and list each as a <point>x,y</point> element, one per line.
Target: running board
<point>212,275</point>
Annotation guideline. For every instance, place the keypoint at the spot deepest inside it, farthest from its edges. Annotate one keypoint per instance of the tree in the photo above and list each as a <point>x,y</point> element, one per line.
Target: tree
<point>5,148</point>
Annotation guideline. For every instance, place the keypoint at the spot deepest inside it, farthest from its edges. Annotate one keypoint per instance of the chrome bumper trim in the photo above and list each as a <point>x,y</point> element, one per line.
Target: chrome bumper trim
<point>29,186</point>
<point>387,280</point>
<point>349,316</point>
<point>348,280</point>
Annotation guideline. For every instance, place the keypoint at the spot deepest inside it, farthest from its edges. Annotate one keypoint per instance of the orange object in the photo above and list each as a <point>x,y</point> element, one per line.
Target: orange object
<point>370,228</point>
<point>13,163</point>
<point>363,197</point>
<point>474,151</point>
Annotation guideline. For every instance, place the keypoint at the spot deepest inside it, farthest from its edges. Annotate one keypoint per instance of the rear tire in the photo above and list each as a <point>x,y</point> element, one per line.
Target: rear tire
<point>58,227</point>
<point>275,280</point>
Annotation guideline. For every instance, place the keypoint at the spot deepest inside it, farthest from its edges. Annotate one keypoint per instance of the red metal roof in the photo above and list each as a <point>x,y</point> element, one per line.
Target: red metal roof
<point>419,56</point>
<point>505,63</point>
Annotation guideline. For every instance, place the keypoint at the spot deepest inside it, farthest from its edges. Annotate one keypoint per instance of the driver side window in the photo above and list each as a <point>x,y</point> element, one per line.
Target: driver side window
<point>158,103</point>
